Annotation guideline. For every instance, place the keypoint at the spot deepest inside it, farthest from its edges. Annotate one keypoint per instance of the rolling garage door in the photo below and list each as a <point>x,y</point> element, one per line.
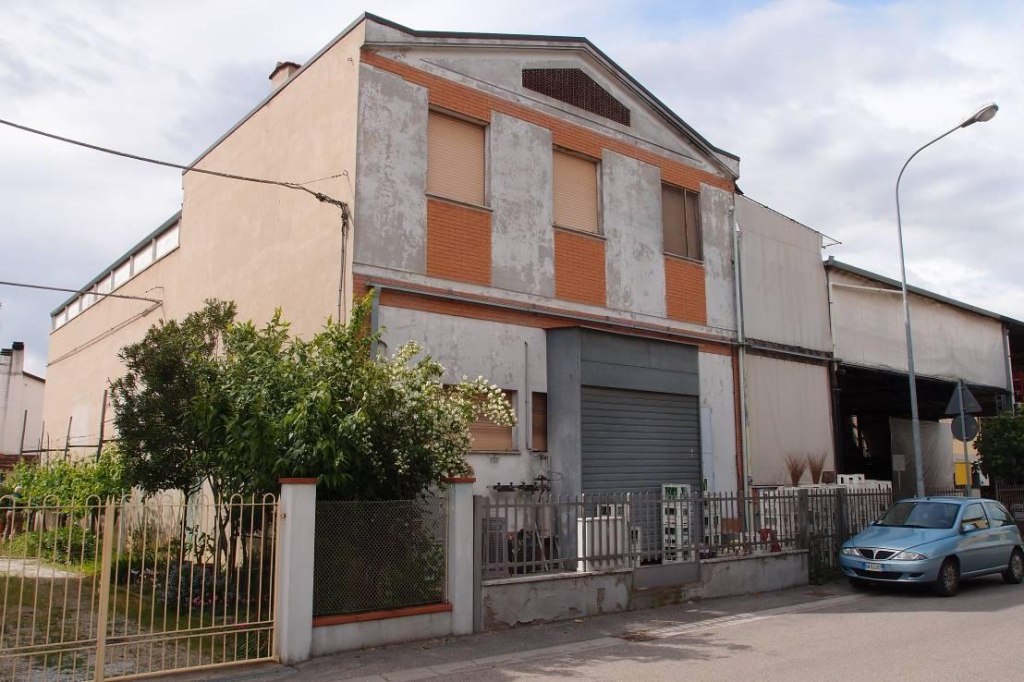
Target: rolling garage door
<point>637,440</point>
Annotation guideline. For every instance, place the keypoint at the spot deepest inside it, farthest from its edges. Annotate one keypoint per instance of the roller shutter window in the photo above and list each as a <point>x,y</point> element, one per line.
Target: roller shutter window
<point>575,192</point>
<point>539,424</point>
<point>487,436</point>
<point>455,159</point>
<point>680,220</point>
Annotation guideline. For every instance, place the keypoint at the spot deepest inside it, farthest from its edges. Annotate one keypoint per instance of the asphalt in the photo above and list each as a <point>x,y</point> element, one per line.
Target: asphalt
<point>481,656</point>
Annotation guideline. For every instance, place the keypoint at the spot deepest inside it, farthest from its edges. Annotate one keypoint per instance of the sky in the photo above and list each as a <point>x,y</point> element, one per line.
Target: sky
<point>822,100</point>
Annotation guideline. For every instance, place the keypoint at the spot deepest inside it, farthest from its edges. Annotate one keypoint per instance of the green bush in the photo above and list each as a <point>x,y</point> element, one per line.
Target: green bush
<point>70,545</point>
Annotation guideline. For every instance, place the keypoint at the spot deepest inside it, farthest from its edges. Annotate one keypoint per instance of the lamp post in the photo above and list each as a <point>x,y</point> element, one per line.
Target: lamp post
<point>984,114</point>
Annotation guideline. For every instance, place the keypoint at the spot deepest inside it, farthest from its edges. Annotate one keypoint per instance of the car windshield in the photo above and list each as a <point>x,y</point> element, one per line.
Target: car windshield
<point>920,515</point>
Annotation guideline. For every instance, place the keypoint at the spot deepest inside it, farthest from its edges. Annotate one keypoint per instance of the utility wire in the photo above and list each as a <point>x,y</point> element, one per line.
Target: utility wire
<point>320,196</point>
<point>78,291</point>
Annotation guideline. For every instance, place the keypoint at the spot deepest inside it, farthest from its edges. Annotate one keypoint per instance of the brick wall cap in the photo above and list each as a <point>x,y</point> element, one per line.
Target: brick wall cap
<point>460,479</point>
<point>298,481</point>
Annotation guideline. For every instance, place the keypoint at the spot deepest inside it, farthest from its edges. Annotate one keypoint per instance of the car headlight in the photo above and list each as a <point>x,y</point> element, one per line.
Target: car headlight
<point>909,556</point>
<point>850,551</point>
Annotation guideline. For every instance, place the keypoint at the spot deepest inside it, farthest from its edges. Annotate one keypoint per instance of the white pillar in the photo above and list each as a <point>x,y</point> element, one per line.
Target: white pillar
<point>460,553</point>
<point>294,585</point>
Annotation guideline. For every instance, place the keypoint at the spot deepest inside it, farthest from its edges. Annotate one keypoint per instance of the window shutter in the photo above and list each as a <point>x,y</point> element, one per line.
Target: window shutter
<point>673,220</point>
<point>575,192</point>
<point>487,436</point>
<point>455,159</point>
<point>539,439</point>
<point>694,248</point>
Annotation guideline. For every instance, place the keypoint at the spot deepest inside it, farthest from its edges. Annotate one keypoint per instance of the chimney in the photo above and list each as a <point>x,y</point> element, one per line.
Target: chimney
<point>17,357</point>
<point>281,73</point>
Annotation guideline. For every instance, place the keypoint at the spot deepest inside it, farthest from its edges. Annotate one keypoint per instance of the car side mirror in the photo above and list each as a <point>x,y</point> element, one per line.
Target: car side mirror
<point>968,527</point>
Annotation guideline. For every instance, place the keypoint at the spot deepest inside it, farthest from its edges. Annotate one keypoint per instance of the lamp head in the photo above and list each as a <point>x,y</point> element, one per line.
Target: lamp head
<point>981,115</point>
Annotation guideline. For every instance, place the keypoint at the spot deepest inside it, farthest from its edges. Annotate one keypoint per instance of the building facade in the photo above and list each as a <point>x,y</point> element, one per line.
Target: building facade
<point>21,405</point>
<point>519,205</point>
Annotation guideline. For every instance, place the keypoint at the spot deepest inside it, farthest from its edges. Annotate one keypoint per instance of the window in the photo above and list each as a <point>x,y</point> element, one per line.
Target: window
<point>122,274</point>
<point>142,259</point>
<point>455,159</point>
<point>575,192</point>
<point>167,242</point>
<point>60,318</point>
<point>999,516</point>
<point>976,515</point>
<point>74,309</point>
<point>105,285</point>
<point>539,430</point>
<point>680,222</point>
<point>489,437</point>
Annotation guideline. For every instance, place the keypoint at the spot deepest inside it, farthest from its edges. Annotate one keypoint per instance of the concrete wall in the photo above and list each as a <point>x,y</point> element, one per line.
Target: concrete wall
<point>510,356</point>
<point>718,407</point>
<point>785,295</point>
<point>523,248</point>
<point>511,602</point>
<point>635,265</point>
<point>949,342</point>
<point>330,639</point>
<point>391,205</point>
<point>789,410</point>
<point>261,246</point>
<point>715,205</point>
<point>19,392</point>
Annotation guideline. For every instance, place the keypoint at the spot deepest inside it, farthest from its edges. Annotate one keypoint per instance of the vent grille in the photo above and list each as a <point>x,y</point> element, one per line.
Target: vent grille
<point>575,87</point>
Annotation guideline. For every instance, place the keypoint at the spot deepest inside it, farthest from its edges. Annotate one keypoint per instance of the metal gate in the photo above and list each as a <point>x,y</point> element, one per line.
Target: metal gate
<point>120,589</point>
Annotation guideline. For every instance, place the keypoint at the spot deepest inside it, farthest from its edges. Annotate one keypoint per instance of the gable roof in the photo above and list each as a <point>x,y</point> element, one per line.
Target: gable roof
<point>577,42</point>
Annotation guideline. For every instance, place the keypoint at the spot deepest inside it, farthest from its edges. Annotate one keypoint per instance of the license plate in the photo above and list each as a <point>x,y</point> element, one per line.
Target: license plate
<point>868,566</point>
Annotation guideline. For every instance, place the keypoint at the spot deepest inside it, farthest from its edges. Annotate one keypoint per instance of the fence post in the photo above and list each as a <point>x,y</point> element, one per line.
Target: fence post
<point>293,636</point>
<point>106,561</point>
<point>460,554</point>
<point>842,516</point>
<point>803,501</point>
<point>479,514</point>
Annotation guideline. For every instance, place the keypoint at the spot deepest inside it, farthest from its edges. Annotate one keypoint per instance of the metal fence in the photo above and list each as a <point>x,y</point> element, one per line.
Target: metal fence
<point>1013,499</point>
<point>111,589</point>
<point>375,556</point>
<point>535,533</point>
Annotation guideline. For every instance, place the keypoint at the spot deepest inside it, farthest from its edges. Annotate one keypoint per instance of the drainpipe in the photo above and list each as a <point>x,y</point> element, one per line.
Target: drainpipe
<point>741,351</point>
<point>1009,371</point>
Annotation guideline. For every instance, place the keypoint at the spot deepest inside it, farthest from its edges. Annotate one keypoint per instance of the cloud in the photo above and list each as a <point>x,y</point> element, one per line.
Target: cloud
<point>823,100</point>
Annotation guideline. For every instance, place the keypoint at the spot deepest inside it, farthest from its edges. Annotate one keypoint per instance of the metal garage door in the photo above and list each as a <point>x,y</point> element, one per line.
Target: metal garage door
<point>635,440</point>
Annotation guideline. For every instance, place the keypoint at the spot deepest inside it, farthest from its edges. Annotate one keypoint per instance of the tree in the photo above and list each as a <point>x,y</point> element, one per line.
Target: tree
<point>164,444</point>
<point>382,427</point>
<point>240,406</point>
<point>1001,447</point>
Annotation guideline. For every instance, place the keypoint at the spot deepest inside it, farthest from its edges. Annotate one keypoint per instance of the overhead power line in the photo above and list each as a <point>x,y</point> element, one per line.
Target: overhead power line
<point>320,196</point>
<point>78,291</point>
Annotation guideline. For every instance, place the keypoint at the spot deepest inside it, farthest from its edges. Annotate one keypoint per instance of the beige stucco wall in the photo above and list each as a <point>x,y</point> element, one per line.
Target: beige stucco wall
<point>949,342</point>
<point>259,245</point>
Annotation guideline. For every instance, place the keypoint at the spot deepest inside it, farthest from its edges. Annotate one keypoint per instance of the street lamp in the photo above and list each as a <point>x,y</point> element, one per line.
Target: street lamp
<point>984,114</point>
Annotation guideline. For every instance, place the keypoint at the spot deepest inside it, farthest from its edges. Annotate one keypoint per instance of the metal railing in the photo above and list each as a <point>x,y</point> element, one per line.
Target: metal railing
<point>536,533</point>
<point>376,556</point>
<point>123,588</point>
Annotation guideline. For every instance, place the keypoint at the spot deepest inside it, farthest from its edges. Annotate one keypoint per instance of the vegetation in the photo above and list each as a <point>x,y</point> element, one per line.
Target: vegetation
<point>1001,447</point>
<point>240,406</point>
<point>64,483</point>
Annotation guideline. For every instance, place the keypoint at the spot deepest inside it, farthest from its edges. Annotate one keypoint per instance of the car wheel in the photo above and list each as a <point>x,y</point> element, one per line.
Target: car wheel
<point>1014,573</point>
<point>948,581</point>
<point>858,584</point>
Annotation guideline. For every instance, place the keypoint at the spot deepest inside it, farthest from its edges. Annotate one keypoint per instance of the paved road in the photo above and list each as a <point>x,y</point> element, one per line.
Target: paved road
<point>804,634</point>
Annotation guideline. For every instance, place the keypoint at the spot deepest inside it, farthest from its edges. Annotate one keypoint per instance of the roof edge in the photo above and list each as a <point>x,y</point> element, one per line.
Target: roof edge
<point>662,108</point>
<point>118,262</point>
<point>832,263</point>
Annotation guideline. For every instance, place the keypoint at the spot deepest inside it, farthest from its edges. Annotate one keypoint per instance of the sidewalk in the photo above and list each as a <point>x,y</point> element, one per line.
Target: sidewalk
<point>439,658</point>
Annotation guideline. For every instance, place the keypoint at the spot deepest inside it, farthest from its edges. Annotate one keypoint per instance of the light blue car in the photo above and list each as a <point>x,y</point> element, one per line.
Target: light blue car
<point>937,540</point>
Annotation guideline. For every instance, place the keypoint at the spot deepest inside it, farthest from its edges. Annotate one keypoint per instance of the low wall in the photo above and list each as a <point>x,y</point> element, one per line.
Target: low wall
<point>536,599</point>
<point>394,627</point>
